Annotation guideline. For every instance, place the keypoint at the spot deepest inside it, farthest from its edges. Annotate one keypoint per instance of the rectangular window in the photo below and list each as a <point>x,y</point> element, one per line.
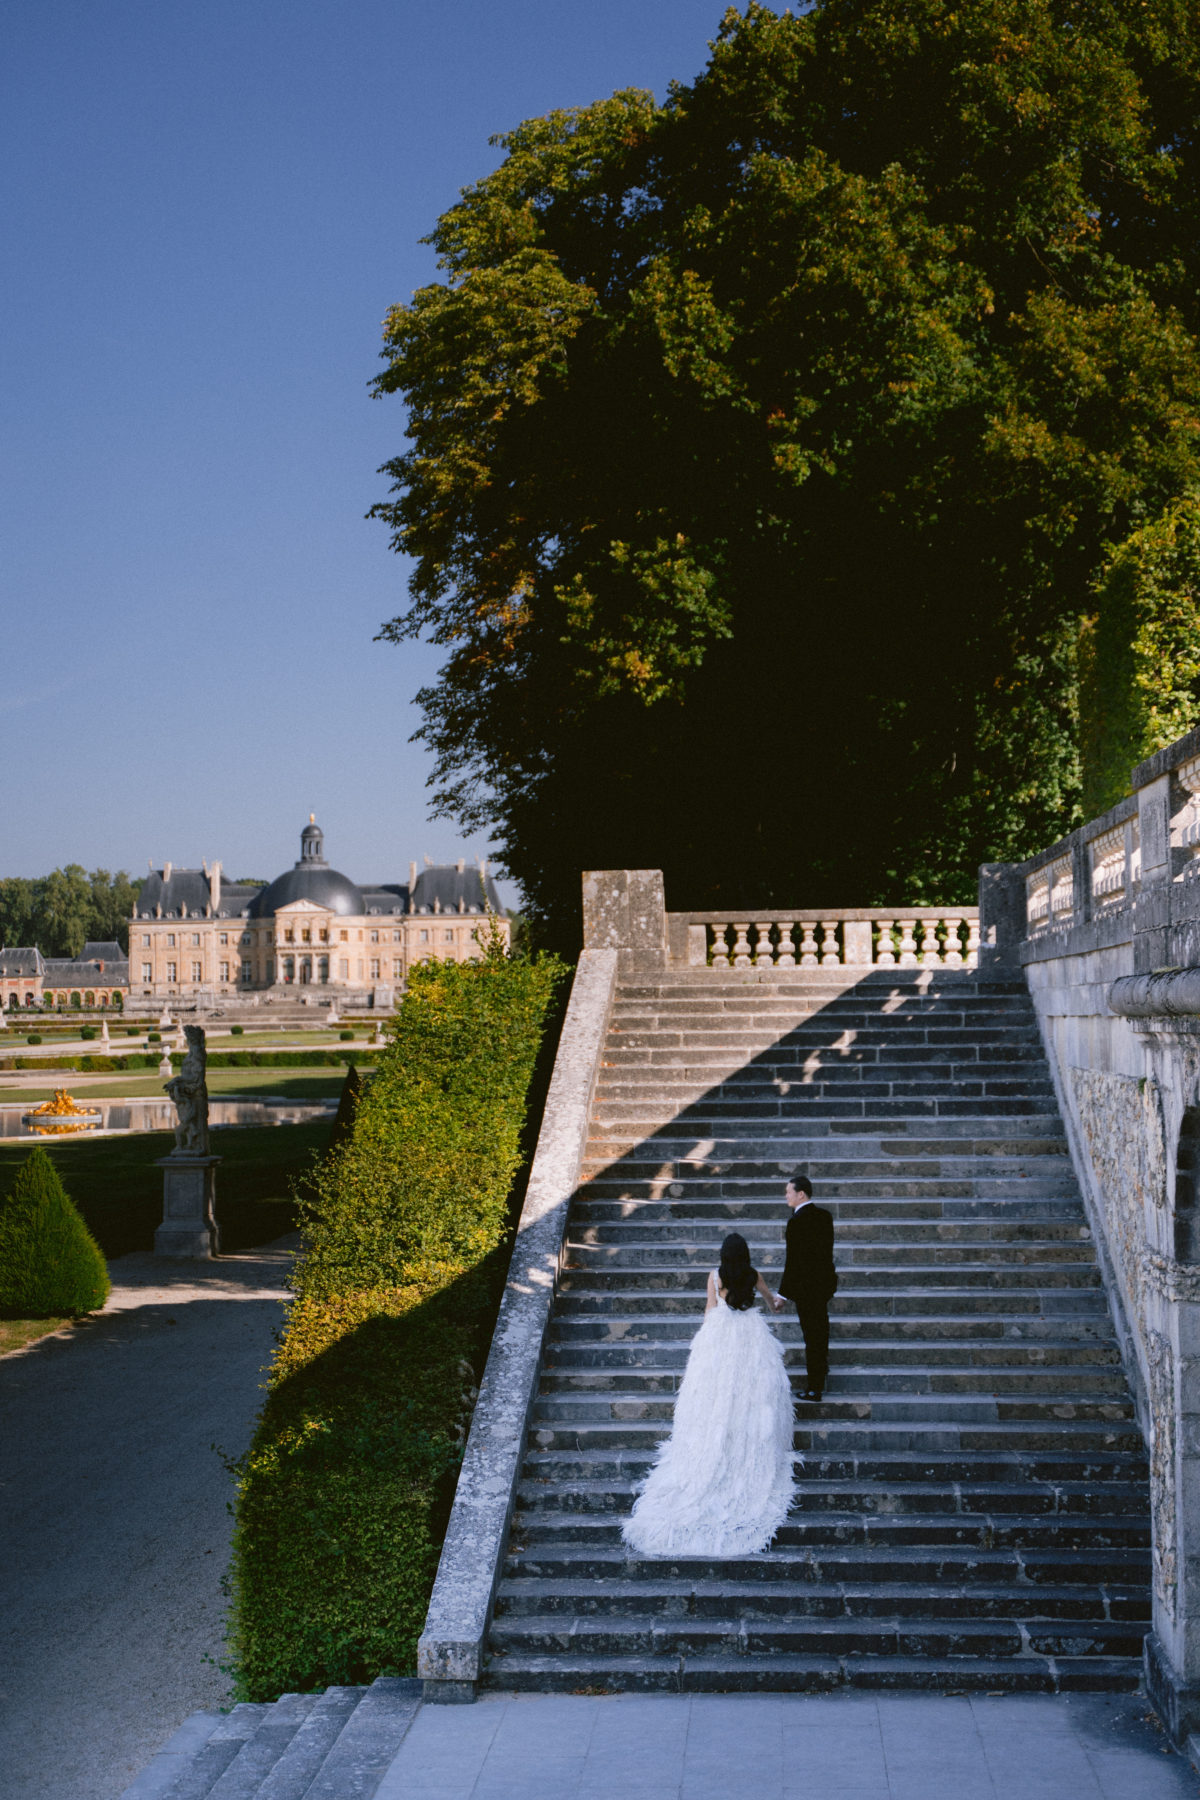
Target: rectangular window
<point>343,967</point>
<point>170,940</point>
<point>147,972</point>
<point>289,937</point>
<point>196,938</point>
<point>145,940</point>
<point>224,937</point>
<point>246,970</point>
<point>324,935</point>
<point>197,972</point>
<point>170,971</point>
<point>224,971</point>
<point>245,937</point>
<point>306,937</point>
<point>374,937</point>
<point>343,935</point>
<point>374,968</point>
<point>424,937</point>
<point>397,968</point>
<point>449,936</point>
<point>397,937</point>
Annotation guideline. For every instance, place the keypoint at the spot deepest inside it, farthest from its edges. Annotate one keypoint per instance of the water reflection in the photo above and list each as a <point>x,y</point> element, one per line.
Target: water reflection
<point>159,1115</point>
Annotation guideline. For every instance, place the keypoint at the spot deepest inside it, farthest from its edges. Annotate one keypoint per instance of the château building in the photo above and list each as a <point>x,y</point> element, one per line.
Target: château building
<point>195,935</point>
<point>98,976</point>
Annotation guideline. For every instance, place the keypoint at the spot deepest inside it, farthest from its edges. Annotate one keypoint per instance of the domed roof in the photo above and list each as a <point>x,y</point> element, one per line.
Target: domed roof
<point>311,879</point>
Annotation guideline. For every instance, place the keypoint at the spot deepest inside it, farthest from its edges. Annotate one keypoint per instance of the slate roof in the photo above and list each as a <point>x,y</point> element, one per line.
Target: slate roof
<point>70,971</point>
<point>190,888</point>
<point>21,964</point>
<point>94,951</point>
<point>440,887</point>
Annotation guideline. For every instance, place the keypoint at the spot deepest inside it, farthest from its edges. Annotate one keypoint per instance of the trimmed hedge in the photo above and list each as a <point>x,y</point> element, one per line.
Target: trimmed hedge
<point>346,1489</point>
<point>50,1264</point>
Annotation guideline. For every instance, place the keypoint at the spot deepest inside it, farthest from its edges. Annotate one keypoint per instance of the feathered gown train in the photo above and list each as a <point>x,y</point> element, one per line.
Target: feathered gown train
<point>722,1483</point>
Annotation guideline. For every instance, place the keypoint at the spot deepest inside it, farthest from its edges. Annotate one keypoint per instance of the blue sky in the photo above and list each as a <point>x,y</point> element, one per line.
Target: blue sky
<point>207,210</point>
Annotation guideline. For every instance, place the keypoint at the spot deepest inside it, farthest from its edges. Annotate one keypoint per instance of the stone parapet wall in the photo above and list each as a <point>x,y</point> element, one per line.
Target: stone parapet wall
<point>1105,925</point>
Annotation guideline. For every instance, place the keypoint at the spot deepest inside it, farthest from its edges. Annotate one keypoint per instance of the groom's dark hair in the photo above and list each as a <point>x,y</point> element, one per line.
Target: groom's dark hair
<point>802,1184</point>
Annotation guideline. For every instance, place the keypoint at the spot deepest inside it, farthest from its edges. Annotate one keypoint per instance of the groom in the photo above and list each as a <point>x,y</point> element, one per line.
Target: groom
<point>809,1277</point>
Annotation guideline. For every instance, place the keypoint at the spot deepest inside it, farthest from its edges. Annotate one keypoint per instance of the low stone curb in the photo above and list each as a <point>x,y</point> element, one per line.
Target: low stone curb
<point>451,1649</point>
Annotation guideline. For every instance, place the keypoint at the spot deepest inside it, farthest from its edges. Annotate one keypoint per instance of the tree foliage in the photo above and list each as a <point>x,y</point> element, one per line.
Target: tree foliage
<point>766,445</point>
<point>62,911</point>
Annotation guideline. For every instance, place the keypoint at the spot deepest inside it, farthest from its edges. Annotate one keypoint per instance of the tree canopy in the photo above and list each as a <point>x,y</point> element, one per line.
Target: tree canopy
<point>62,911</point>
<point>771,448</point>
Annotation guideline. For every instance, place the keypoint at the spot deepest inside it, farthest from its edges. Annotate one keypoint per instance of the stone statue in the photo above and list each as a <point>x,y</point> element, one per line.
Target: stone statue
<point>190,1096</point>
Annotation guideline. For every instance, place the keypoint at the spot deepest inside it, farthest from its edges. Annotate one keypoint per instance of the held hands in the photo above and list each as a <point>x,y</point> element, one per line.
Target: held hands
<point>776,1303</point>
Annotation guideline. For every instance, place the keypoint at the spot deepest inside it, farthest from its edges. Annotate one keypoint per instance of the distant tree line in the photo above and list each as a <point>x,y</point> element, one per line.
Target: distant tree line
<point>62,911</point>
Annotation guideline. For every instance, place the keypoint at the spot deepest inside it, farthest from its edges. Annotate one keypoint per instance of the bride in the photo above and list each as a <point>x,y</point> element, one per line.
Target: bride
<point>722,1483</point>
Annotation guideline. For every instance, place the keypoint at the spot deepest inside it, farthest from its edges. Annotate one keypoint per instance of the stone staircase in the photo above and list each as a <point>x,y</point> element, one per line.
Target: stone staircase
<point>335,1745</point>
<point>973,1509</point>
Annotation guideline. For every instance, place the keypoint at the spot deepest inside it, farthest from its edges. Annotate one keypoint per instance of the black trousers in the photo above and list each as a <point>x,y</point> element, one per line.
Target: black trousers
<point>813,1312</point>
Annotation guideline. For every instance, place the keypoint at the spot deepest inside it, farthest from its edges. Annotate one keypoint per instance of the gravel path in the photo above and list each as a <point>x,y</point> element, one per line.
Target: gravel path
<point>114,1520</point>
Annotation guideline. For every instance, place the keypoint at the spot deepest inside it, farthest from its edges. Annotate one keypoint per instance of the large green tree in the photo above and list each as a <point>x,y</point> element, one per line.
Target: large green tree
<point>767,445</point>
<point>61,911</point>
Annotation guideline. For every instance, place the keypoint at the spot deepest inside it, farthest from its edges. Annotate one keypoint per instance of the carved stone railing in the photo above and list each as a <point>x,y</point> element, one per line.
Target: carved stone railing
<point>880,937</point>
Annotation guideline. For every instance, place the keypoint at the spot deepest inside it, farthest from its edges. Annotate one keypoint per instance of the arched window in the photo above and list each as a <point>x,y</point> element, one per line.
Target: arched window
<point>322,968</point>
<point>289,968</point>
<point>76,1000</point>
<point>118,1003</point>
<point>1186,1223</point>
<point>89,999</point>
<point>13,1002</point>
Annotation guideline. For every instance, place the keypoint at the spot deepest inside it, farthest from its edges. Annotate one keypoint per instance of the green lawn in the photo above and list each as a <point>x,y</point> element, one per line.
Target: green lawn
<point>289,1084</point>
<point>115,1185</point>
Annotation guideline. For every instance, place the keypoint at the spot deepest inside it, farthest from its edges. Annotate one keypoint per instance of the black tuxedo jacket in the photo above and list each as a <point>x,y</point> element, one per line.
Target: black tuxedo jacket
<point>808,1272</point>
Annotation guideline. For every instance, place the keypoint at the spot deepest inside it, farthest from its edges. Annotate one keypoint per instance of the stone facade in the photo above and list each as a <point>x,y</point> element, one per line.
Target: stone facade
<point>312,931</point>
<point>97,977</point>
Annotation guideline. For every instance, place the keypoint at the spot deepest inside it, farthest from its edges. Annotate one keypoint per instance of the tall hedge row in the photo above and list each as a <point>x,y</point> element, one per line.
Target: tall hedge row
<point>346,1488</point>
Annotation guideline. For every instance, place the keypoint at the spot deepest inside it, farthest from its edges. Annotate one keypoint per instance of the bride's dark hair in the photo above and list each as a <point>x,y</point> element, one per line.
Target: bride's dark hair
<point>735,1274</point>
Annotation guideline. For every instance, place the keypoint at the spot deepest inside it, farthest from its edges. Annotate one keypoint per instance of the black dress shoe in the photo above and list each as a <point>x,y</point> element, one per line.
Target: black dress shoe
<point>813,1394</point>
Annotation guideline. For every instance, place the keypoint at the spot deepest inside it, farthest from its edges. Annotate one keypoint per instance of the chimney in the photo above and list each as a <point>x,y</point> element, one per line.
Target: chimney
<point>166,873</point>
<point>412,878</point>
<point>461,865</point>
<point>214,885</point>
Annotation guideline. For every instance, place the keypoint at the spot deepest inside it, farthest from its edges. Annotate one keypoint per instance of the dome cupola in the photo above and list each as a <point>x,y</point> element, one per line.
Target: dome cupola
<point>311,879</point>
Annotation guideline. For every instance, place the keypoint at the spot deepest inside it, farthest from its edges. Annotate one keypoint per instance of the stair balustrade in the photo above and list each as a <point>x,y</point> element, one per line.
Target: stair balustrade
<point>879,937</point>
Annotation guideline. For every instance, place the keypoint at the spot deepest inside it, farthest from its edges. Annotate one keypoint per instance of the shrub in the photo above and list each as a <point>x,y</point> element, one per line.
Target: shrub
<point>87,1032</point>
<point>50,1264</point>
<point>236,1030</point>
<point>133,1031</point>
<point>154,1037</point>
<point>34,1037</point>
<point>347,1486</point>
<point>346,1036</point>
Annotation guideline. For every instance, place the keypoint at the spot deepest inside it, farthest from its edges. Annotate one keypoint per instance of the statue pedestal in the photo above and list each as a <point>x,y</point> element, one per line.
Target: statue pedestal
<point>189,1226</point>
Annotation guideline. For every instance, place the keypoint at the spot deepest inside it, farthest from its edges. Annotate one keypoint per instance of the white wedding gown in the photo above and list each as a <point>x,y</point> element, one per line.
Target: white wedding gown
<point>722,1483</point>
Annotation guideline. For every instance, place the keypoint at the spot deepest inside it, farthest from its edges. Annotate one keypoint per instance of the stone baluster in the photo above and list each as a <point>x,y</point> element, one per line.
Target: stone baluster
<point>764,955</point>
<point>930,952</point>
<point>786,958</point>
<point>953,956</point>
<point>973,943</point>
<point>830,949</point>
<point>720,951</point>
<point>741,946</point>
<point>908,944</point>
<point>808,946</point>
<point>885,952</point>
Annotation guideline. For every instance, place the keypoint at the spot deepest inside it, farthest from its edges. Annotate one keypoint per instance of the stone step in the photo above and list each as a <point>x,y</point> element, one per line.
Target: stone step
<point>652,1634</point>
<point>713,1111</point>
<point>576,1672</point>
<point>1109,1471</point>
<point>824,1430</point>
<point>606,1266</point>
<point>629,1244</point>
<point>1062,1215</point>
<point>587,1406</point>
<point>527,1597</point>
<point>1093,1533</point>
<point>1027,1315</point>
<point>848,1381</point>
<point>840,1164</point>
<point>1000,1135</point>
<point>1064,1501</point>
<point>331,1746</point>
<point>654,1028</point>
<point>926,1358</point>
<point>596,1220</point>
<point>550,1551</point>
